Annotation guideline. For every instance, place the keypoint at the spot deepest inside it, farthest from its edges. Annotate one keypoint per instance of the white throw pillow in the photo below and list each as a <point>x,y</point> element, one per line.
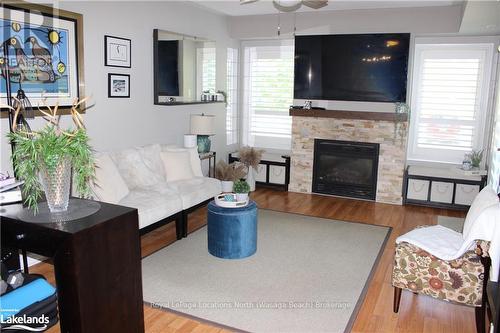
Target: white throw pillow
<point>108,186</point>
<point>151,156</point>
<point>132,168</point>
<point>177,165</point>
<point>194,156</point>
<point>486,198</point>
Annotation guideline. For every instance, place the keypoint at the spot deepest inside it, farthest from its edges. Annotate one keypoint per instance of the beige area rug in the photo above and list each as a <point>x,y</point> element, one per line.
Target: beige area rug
<point>454,223</point>
<point>308,275</point>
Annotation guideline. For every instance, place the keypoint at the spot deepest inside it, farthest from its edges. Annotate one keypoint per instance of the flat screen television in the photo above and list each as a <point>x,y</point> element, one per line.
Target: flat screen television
<point>364,67</point>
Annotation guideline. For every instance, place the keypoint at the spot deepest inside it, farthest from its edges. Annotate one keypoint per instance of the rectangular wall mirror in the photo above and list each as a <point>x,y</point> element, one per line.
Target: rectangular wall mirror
<point>184,68</point>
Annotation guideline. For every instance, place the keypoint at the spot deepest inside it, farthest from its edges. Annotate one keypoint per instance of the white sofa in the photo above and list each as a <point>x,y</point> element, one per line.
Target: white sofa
<point>163,182</point>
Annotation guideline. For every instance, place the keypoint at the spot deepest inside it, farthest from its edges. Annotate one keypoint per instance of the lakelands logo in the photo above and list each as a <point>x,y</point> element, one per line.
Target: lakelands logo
<point>27,323</point>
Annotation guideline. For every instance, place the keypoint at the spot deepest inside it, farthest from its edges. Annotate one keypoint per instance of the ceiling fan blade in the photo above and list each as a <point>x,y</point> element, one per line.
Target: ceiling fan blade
<point>315,4</point>
<point>244,2</point>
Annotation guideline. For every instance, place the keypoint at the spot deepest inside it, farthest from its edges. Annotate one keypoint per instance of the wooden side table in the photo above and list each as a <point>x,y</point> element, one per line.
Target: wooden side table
<point>211,157</point>
<point>97,264</point>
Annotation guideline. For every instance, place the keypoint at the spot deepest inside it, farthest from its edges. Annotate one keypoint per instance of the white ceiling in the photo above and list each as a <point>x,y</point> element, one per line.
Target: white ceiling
<point>481,17</point>
<point>262,7</point>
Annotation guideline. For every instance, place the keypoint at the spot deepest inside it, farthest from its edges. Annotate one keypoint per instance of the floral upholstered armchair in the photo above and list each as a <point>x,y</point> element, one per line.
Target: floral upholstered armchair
<point>459,281</point>
<point>452,266</point>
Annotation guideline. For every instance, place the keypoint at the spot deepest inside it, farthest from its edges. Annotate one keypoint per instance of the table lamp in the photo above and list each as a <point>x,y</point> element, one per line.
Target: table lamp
<point>203,126</point>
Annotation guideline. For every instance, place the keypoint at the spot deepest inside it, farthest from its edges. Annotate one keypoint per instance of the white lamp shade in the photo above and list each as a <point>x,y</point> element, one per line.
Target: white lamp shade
<point>202,124</point>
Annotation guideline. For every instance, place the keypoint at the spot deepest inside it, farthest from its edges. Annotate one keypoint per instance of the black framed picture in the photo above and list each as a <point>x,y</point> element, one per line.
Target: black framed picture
<point>117,52</point>
<point>118,85</point>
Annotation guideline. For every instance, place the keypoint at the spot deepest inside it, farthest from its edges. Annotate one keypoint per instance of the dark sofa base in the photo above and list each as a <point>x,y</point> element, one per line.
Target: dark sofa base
<point>180,218</point>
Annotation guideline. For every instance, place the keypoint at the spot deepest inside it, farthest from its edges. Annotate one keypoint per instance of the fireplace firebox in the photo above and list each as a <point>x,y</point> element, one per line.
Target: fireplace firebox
<point>345,168</point>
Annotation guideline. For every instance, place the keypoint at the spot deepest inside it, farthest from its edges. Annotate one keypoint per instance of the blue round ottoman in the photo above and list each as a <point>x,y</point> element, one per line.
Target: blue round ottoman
<point>232,232</point>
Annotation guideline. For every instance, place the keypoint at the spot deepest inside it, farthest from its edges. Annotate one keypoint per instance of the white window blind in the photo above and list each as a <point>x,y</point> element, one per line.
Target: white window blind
<point>205,58</point>
<point>232,96</point>
<point>449,100</point>
<point>268,94</point>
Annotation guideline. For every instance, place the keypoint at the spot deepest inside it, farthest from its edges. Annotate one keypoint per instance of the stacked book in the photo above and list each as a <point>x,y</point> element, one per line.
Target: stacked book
<point>10,192</point>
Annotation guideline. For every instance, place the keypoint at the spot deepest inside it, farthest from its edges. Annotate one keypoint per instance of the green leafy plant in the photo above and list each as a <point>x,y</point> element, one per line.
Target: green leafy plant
<point>476,156</point>
<point>48,147</point>
<point>241,186</point>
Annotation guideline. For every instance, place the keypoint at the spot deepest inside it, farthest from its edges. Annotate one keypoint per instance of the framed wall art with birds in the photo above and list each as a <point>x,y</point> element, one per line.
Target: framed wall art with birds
<point>41,54</point>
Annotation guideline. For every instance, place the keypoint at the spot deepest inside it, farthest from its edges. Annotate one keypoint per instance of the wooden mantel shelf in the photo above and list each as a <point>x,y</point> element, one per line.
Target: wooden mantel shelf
<point>363,115</point>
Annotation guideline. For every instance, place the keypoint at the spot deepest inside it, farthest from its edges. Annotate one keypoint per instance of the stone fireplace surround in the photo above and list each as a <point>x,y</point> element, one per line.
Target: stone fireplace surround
<point>350,126</point>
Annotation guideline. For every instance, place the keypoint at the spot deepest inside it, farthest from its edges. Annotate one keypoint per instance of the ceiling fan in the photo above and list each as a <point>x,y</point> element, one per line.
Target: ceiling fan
<point>292,5</point>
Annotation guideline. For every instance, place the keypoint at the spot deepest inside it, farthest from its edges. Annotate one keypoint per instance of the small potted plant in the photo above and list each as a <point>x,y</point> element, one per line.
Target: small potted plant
<point>241,188</point>
<point>228,173</point>
<point>476,156</point>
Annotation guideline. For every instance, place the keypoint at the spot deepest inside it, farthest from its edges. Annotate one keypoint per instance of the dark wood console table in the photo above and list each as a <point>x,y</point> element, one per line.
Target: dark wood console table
<point>97,264</point>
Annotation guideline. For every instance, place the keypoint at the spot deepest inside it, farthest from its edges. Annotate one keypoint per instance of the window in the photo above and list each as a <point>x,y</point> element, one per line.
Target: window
<point>268,94</point>
<point>205,60</point>
<point>232,96</point>
<point>449,100</point>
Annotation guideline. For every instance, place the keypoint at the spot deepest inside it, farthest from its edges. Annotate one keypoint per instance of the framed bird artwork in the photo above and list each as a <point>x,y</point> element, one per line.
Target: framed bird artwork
<point>41,54</point>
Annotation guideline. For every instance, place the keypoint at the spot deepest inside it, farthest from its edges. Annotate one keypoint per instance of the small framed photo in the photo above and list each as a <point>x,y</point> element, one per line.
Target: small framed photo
<point>118,85</point>
<point>117,52</point>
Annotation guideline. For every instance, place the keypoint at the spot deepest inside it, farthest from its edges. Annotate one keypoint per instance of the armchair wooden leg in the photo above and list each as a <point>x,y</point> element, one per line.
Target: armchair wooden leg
<point>481,311</point>
<point>480,319</point>
<point>397,299</point>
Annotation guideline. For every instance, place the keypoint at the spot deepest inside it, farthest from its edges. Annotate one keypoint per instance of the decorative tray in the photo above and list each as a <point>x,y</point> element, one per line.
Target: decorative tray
<point>228,200</point>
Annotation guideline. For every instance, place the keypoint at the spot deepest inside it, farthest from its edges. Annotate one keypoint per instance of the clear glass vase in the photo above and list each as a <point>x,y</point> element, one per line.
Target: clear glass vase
<point>56,183</point>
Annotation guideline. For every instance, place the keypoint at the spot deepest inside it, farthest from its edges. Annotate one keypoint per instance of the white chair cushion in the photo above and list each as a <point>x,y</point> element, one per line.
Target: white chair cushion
<point>153,206</point>
<point>177,165</point>
<point>196,190</point>
<point>486,198</point>
<point>134,171</point>
<point>108,185</point>
<point>195,157</point>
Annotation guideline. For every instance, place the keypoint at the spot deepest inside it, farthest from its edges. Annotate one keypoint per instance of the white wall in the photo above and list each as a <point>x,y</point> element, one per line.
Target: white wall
<point>115,123</point>
<point>415,20</point>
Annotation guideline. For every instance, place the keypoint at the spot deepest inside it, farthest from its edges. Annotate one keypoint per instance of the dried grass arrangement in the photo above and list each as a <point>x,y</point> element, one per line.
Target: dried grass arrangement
<point>250,156</point>
<point>229,172</point>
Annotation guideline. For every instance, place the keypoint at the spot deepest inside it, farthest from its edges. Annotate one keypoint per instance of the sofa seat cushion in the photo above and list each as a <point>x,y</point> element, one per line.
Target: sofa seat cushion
<point>153,204</point>
<point>196,190</point>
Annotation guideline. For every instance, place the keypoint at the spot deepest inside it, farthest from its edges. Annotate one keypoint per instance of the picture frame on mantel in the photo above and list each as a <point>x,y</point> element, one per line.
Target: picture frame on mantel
<point>118,85</point>
<point>48,37</point>
<point>117,52</point>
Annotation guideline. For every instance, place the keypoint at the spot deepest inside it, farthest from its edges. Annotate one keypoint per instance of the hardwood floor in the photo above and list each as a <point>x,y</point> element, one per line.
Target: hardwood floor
<point>416,314</point>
